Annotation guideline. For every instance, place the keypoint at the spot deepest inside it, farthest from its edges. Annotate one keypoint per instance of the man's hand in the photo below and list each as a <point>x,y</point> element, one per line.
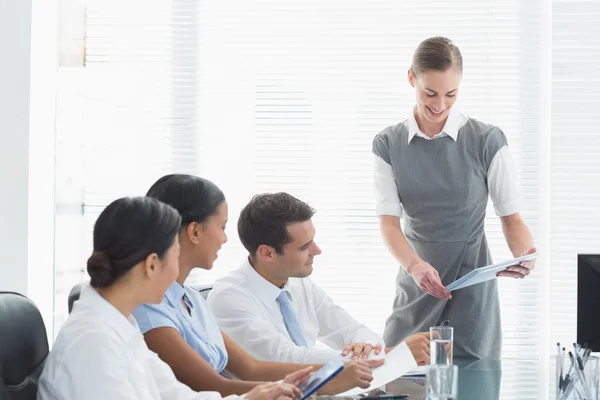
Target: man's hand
<point>360,351</point>
<point>355,373</point>
<point>419,347</point>
<point>521,270</point>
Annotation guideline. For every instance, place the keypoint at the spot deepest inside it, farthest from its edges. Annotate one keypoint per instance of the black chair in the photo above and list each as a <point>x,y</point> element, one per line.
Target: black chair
<point>23,347</point>
<point>76,292</point>
<point>74,295</point>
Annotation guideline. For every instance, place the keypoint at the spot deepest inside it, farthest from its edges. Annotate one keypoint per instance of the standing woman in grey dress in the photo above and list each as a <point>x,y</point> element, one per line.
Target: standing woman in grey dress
<point>436,170</point>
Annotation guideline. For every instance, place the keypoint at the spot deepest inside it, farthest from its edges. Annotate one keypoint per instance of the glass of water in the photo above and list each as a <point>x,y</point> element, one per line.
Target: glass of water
<point>441,338</point>
<point>442,382</point>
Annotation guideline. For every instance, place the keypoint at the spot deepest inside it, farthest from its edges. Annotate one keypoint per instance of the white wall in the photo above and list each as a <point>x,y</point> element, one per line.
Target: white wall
<point>27,121</point>
<point>15,40</point>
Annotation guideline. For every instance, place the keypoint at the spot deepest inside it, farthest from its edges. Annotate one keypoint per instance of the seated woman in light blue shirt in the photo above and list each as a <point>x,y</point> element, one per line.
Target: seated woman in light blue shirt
<point>200,331</point>
<point>182,329</point>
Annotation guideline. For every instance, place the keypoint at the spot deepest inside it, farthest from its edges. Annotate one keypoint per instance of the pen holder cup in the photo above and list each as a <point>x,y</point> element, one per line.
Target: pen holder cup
<point>572,384</point>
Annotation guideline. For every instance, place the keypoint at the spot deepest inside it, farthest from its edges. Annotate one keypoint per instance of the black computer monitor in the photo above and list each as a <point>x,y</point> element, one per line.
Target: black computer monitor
<point>588,300</point>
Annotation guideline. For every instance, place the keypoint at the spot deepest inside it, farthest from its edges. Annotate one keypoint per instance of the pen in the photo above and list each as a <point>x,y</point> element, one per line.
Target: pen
<point>568,379</point>
<point>575,348</point>
<point>563,356</point>
<point>445,323</point>
<point>579,359</point>
<point>560,362</point>
<point>558,347</point>
<point>586,355</point>
<point>386,396</point>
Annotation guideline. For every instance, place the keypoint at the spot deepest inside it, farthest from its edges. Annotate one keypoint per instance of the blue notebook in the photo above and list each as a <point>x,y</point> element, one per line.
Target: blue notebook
<point>483,274</point>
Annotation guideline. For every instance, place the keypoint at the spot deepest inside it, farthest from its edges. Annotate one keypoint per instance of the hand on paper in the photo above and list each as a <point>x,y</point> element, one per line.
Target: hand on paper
<point>398,361</point>
<point>354,374</point>
<point>428,279</point>
<point>521,270</point>
<point>419,347</point>
<point>360,351</point>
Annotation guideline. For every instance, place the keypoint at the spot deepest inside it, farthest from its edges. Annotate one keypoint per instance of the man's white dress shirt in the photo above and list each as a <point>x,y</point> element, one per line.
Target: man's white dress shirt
<point>503,182</point>
<point>246,308</point>
<point>101,355</point>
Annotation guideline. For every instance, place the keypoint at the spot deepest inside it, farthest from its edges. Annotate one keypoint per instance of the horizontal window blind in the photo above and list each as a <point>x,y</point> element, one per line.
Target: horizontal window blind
<point>124,119</point>
<point>319,80</point>
<point>575,171</point>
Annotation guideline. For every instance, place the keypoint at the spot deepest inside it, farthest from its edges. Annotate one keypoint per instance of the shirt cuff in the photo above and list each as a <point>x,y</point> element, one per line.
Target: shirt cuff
<point>385,208</point>
<point>507,208</point>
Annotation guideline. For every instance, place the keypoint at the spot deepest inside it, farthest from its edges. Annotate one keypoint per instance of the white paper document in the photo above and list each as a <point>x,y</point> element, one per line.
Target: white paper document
<point>397,362</point>
<point>483,274</point>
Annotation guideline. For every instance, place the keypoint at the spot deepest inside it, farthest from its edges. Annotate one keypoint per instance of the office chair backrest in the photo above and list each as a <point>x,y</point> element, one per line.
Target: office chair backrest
<point>76,292</point>
<point>74,295</point>
<point>23,347</point>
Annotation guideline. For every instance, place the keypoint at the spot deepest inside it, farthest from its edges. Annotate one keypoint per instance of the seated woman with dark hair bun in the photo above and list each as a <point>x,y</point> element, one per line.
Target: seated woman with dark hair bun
<point>100,353</point>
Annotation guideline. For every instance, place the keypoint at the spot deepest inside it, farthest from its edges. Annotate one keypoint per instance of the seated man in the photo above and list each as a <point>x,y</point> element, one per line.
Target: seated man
<point>271,307</point>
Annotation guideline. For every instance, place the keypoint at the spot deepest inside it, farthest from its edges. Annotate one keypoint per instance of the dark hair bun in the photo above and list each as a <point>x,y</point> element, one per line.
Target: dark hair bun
<point>126,232</point>
<point>101,270</point>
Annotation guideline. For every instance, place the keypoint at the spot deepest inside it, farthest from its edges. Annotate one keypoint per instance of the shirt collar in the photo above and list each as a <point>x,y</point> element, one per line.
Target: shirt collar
<point>175,293</point>
<point>126,328</point>
<point>260,287</point>
<point>450,128</point>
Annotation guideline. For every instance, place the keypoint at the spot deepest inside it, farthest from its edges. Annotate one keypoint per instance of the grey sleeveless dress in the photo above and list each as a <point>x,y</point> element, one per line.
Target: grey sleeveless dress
<point>442,185</point>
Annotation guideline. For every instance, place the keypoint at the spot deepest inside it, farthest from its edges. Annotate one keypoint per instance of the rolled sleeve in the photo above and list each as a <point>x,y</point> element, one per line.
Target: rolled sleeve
<point>503,183</point>
<point>504,209</point>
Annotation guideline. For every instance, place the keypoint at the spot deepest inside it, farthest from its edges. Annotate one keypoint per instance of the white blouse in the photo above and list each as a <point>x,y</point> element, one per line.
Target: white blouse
<point>99,355</point>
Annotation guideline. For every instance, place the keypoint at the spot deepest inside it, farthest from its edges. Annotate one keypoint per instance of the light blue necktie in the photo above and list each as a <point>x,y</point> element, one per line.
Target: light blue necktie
<point>290,320</point>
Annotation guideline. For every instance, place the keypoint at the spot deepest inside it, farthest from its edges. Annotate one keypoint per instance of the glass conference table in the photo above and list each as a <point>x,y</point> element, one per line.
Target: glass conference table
<point>483,380</point>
